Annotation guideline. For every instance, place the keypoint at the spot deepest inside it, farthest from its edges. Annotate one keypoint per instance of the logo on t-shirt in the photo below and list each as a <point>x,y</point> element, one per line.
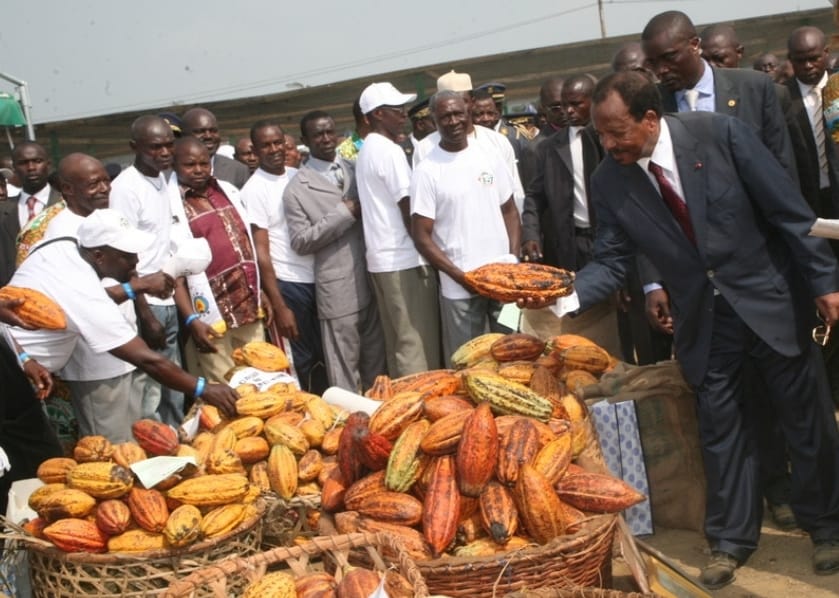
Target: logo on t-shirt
<point>486,178</point>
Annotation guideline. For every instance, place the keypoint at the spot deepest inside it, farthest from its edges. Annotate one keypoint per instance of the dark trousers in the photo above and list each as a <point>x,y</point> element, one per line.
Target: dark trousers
<point>307,350</point>
<point>797,388</point>
<point>25,433</point>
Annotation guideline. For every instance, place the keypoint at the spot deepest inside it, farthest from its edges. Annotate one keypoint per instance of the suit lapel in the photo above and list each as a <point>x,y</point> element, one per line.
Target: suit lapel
<point>317,181</point>
<point>640,189</point>
<point>668,99</point>
<point>726,97</point>
<point>563,149</point>
<point>799,112</point>
<point>692,176</point>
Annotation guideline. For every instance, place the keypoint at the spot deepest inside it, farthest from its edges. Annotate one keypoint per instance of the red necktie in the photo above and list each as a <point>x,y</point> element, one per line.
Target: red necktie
<point>31,202</point>
<point>677,205</point>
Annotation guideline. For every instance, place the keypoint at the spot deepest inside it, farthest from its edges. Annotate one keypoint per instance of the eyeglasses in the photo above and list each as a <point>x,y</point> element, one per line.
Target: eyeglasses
<point>821,333</point>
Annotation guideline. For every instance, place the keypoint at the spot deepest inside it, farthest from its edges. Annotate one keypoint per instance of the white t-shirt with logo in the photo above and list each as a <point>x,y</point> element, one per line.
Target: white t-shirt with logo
<point>383,178</point>
<point>60,272</point>
<point>145,203</point>
<point>263,199</point>
<point>463,193</point>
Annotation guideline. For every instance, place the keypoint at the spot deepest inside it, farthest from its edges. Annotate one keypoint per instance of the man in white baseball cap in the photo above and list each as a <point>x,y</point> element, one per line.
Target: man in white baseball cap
<point>404,284</point>
<point>69,270</point>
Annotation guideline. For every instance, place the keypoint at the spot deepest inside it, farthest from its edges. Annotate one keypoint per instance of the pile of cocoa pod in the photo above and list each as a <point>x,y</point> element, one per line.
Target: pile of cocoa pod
<point>276,447</point>
<point>479,460</point>
<point>355,582</point>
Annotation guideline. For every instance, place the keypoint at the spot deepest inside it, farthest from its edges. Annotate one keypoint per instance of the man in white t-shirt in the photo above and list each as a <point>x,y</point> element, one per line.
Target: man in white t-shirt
<point>488,140</point>
<point>404,284</point>
<point>144,192</point>
<point>463,216</point>
<point>69,271</point>
<point>288,278</point>
<point>106,391</point>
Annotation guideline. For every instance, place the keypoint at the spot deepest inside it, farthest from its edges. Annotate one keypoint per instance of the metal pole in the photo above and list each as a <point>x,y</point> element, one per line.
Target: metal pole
<point>23,92</point>
<point>602,18</point>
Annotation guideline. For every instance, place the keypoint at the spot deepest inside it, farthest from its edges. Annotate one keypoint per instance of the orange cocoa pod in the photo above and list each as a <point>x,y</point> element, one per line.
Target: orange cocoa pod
<point>331,440</point>
<point>128,453</point>
<point>382,390</point>
<point>37,310</point>
<point>258,476</point>
<point>148,508</point>
<point>413,541</point>
<point>76,535</point>
<point>358,583</point>
<point>36,499</point>
<point>436,408</point>
<point>498,513</point>
<point>517,346</point>
<point>444,434</point>
<point>251,449</point>
<point>590,358</point>
<point>517,371</point>
<point>183,526</point>
<point>224,461</point>
<point>156,438</point>
<point>545,383</point>
<point>67,503</point>
<point>563,341</point>
<point>292,418</point>
<point>246,426</point>
<point>396,414</point>
<point>469,529</point>
<point>332,492</point>
<point>477,451</point>
<point>540,509</point>
<point>397,586</point>
<point>92,448</point>
<point>392,507</point>
<point>359,491</point>
<point>309,466</point>
<point>54,470</point>
<point>434,383</point>
<point>597,493</point>
<point>209,418</point>
<point>101,479</point>
<point>316,585</point>
<point>441,506</point>
<point>576,380</point>
<point>553,459</point>
<point>35,527</point>
<point>347,522</point>
<point>136,540</point>
<point>509,282</point>
<point>113,517</point>
<point>349,458</point>
<point>374,450</point>
<point>518,446</point>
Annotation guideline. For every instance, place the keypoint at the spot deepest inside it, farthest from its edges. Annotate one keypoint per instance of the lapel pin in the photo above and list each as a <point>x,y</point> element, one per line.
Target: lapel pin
<point>697,166</point>
<point>732,103</point>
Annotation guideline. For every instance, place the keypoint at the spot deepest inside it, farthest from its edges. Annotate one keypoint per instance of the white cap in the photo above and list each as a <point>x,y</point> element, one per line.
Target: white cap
<point>383,94</point>
<point>109,227</point>
<point>453,81</point>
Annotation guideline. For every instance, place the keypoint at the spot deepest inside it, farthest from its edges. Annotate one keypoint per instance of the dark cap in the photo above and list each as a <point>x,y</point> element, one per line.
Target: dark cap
<point>420,110</point>
<point>495,89</point>
<point>174,121</point>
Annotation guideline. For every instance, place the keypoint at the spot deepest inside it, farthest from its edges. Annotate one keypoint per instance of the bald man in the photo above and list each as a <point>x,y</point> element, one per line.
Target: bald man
<point>201,123</point>
<point>558,222</point>
<point>629,57</point>
<point>720,46</point>
<point>143,193</point>
<point>550,104</point>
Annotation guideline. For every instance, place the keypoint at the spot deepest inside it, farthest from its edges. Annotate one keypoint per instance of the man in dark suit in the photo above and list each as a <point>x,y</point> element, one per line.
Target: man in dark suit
<point>705,200</point>
<point>32,166</point>
<point>201,123</point>
<point>689,82</point>
<point>558,221</point>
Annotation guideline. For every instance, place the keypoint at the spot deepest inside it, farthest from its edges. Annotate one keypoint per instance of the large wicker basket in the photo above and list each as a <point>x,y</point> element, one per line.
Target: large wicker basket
<point>582,559</point>
<point>221,578</point>
<point>554,592</point>
<point>58,574</point>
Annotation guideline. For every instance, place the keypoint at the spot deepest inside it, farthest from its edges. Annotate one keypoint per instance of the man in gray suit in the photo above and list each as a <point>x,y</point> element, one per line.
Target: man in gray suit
<point>727,228</point>
<point>323,215</point>
<point>201,123</point>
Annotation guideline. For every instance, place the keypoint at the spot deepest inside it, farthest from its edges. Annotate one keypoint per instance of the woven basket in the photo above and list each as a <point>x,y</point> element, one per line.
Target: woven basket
<point>59,574</point>
<point>236,573</point>
<point>582,559</point>
<point>286,520</point>
<point>577,593</point>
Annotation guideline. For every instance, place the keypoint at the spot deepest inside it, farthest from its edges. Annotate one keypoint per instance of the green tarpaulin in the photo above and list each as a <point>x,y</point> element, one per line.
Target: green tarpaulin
<point>10,113</point>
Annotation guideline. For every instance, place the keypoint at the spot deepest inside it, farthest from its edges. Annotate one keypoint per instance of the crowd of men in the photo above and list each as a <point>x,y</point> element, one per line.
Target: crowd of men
<point>680,187</point>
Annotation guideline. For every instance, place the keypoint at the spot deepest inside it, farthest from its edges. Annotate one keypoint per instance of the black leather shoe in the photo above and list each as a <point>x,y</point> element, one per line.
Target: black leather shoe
<point>826,557</point>
<point>719,571</point>
<point>783,516</point>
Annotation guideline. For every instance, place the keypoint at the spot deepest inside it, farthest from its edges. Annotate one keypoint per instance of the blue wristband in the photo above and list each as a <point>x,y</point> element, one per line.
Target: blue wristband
<point>126,286</point>
<point>23,357</point>
<point>199,387</point>
<point>190,319</point>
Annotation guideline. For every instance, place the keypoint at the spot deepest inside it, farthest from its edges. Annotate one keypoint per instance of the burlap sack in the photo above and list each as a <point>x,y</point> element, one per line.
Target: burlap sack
<point>666,410</point>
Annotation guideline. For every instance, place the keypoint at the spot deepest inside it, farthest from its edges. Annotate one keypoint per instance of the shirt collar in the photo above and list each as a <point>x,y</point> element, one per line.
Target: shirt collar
<point>320,165</point>
<point>187,191</point>
<point>805,89</point>
<point>663,153</point>
<point>42,196</point>
<point>705,85</point>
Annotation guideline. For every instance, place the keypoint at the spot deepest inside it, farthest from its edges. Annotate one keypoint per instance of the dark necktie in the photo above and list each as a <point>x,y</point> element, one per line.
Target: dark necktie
<point>677,205</point>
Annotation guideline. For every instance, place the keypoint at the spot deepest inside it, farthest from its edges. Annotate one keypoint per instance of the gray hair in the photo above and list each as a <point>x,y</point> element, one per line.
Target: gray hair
<point>446,94</point>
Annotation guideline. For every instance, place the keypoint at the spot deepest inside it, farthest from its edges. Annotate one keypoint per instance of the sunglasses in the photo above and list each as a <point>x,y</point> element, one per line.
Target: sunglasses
<point>821,333</point>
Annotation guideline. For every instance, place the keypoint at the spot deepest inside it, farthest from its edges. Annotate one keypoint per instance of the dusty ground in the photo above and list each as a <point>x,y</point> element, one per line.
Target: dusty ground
<point>780,568</point>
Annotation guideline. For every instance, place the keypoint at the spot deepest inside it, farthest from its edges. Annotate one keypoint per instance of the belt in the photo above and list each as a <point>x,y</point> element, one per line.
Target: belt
<point>584,232</point>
